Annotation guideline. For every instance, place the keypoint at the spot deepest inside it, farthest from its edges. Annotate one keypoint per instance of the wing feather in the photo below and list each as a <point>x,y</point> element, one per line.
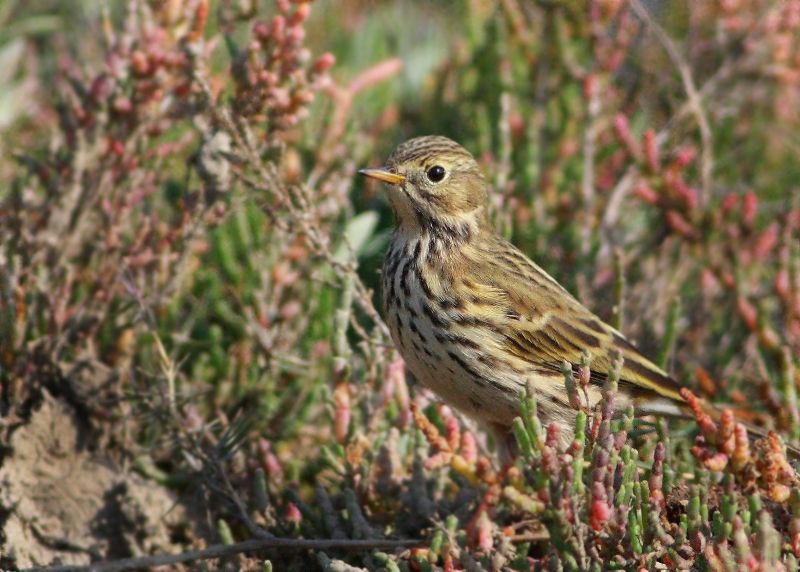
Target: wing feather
<point>548,325</point>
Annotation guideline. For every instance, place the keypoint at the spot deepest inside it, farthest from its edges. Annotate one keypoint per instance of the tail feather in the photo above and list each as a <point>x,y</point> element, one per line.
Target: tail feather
<point>681,409</point>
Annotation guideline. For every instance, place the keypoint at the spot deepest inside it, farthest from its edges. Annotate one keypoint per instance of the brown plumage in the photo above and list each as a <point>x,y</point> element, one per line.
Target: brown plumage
<point>475,319</point>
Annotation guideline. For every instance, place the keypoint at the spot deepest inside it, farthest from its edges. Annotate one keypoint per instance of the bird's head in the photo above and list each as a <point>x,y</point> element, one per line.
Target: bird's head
<point>433,182</point>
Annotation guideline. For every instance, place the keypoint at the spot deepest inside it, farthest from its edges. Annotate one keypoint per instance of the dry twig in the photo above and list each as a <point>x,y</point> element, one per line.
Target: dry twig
<point>225,551</point>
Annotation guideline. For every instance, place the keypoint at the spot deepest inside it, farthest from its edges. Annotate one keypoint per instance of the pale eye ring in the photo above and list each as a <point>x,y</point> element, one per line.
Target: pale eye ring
<point>436,173</point>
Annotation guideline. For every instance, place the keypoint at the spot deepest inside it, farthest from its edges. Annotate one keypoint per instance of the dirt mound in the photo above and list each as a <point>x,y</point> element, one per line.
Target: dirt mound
<point>61,503</point>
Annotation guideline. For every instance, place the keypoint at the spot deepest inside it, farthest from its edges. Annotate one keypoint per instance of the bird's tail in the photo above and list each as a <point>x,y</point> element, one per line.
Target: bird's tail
<point>754,431</point>
<point>692,407</point>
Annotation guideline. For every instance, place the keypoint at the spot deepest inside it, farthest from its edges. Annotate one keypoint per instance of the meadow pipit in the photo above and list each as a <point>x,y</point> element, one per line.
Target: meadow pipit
<point>475,319</point>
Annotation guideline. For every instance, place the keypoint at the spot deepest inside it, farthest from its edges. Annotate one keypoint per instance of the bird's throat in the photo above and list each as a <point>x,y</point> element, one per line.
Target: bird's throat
<point>416,221</point>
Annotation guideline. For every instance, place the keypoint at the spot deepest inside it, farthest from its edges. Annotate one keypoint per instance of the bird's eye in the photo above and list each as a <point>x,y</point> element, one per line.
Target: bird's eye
<point>436,173</point>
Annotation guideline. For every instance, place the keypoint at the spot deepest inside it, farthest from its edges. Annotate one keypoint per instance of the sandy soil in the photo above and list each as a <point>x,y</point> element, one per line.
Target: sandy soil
<point>60,502</point>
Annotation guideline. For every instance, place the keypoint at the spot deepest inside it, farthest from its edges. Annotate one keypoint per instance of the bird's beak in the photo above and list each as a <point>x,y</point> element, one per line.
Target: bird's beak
<point>384,175</point>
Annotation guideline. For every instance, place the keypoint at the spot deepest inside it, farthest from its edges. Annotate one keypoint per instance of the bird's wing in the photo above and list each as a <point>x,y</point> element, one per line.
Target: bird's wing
<point>548,325</point>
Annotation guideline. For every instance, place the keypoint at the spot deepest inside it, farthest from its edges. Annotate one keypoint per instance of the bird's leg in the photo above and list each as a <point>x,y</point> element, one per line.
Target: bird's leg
<point>505,444</point>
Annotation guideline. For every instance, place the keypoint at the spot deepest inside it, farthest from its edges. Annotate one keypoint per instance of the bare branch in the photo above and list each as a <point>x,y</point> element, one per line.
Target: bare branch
<point>224,551</point>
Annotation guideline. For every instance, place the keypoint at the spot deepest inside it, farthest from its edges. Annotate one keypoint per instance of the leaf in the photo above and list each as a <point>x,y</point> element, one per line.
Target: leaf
<point>356,234</point>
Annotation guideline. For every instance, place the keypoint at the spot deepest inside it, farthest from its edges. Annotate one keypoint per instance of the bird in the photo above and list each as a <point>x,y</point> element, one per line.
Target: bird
<point>476,320</point>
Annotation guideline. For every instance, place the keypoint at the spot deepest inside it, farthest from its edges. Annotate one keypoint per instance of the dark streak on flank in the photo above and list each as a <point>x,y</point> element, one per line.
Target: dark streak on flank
<point>472,321</point>
<point>496,364</point>
<point>462,341</point>
<point>466,367</point>
<point>452,303</point>
<point>413,327</point>
<point>490,361</point>
<point>477,376</point>
<point>432,316</point>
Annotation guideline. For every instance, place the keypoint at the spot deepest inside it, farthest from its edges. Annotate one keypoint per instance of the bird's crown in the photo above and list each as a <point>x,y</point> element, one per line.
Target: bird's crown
<point>420,150</point>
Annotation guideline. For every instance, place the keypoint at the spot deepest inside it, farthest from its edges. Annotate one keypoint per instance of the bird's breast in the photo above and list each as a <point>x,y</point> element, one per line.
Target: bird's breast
<point>449,342</point>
